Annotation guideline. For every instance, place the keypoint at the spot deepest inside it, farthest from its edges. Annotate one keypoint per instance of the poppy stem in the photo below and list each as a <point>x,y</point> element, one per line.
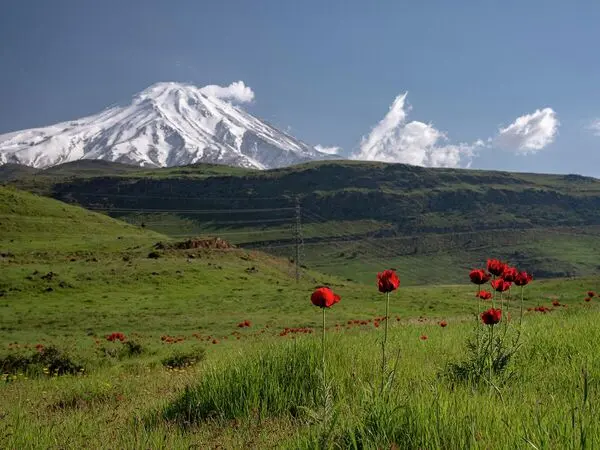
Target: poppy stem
<point>491,355</point>
<point>521,314</point>
<point>385,334</point>
<point>323,344</point>
<point>477,315</point>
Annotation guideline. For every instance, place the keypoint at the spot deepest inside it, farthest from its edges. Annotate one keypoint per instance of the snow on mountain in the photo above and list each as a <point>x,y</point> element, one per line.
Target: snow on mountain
<point>168,124</point>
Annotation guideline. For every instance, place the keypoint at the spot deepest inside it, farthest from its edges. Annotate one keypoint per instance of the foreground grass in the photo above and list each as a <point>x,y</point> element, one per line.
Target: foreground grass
<point>550,402</point>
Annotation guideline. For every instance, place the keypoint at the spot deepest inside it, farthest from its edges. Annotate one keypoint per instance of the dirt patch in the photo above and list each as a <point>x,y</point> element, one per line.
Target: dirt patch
<point>190,244</point>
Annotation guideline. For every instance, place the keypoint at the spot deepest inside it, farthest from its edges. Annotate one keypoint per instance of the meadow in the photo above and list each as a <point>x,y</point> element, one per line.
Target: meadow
<point>123,343</point>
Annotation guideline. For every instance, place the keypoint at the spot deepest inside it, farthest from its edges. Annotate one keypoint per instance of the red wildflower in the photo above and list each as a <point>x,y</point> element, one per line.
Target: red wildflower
<point>443,324</point>
<point>423,337</point>
<point>324,297</point>
<point>510,274</point>
<point>588,299</point>
<point>523,279</point>
<point>501,285</point>
<point>39,347</point>
<point>484,295</point>
<point>479,276</point>
<point>387,281</point>
<point>376,323</point>
<point>591,293</point>
<point>492,316</point>
<point>555,303</point>
<point>495,267</point>
<point>116,337</point>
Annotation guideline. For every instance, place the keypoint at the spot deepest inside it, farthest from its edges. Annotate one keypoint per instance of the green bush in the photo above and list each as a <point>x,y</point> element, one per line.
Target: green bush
<point>181,360</point>
<point>48,360</point>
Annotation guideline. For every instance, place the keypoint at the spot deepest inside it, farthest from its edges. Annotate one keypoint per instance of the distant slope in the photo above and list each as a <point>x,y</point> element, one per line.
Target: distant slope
<point>31,222</point>
<point>360,215</point>
<point>167,124</point>
<point>10,172</point>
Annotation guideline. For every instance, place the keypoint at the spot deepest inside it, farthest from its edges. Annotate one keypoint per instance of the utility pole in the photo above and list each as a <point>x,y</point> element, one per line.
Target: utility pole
<point>298,237</point>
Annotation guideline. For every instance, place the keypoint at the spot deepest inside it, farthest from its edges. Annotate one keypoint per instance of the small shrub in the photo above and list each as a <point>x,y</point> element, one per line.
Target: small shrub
<point>181,360</point>
<point>153,255</point>
<point>46,360</point>
<point>132,348</point>
<point>474,369</point>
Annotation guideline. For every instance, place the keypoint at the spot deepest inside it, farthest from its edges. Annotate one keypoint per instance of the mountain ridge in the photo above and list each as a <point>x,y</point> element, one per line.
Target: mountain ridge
<point>168,124</point>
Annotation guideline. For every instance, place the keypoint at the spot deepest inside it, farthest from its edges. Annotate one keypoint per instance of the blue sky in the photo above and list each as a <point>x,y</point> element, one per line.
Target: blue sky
<point>330,71</point>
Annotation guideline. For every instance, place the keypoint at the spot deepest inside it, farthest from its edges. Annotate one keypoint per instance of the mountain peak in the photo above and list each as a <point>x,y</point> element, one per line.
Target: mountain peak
<point>167,124</point>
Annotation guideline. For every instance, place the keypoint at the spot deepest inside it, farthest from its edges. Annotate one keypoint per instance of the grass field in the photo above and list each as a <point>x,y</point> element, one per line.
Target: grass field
<point>70,277</point>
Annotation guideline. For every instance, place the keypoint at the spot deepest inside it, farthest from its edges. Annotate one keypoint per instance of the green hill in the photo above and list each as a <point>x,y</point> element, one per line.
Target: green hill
<point>30,222</point>
<point>358,216</point>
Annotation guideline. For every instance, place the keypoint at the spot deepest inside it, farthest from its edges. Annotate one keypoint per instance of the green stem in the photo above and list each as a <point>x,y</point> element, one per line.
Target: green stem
<point>324,417</point>
<point>323,344</point>
<point>477,315</point>
<point>521,314</point>
<point>491,355</point>
<point>493,294</point>
<point>385,335</point>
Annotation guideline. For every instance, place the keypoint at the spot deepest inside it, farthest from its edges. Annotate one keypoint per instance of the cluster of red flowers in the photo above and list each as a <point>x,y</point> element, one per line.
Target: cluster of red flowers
<point>556,303</point>
<point>39,347</point>
<point>301,330</point>
<point>542,309</point>
<point>504,277</point>
<point>116,337</point>
<point>244,324</point>
<point>443,324</point>
<point>358,322</point>
<point>590,295</point>
<point>171,339</point>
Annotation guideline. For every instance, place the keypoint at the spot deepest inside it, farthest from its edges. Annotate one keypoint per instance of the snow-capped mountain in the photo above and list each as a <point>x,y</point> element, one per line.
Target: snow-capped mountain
<point>168,124</point>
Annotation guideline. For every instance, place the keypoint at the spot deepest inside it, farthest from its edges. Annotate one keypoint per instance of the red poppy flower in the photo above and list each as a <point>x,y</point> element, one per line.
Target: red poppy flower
<point>510,274</point>
<point>501,285</point>
<point>588,299</point>
<point>523,279</point>
<point>376,324</point>
<point>387,281</point>
<point>443,324</point>
<point>479,276</point>
<point>423,337</point>
<point>492,316</point>
<point>116,337</point>
<point>484,295</point>
<point>495,267</point>
<point>591,293</point>
<point>555,303</point>
<point>324,297</point>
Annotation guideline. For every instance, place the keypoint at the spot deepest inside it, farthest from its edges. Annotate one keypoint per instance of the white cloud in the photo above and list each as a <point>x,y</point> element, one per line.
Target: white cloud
<point>328,150</point>
<point>594,127</point>
<point>416,143</point>
<point>530,132</point>
<point>236,91</point>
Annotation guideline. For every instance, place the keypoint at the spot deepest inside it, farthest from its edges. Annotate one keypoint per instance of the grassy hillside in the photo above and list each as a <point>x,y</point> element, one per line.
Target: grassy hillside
<point>71,277</point>
<point>359,215</point>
